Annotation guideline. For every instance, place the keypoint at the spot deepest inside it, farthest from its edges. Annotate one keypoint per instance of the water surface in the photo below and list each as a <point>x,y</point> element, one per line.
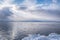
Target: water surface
<point>18,30</point>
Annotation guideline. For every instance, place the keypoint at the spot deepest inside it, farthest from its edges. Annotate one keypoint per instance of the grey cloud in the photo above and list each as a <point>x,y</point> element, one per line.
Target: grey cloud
<point>5,27</point>
<point>17,2</point>
<point>5,13</point>
<point>22,7</point>
<point>55,14</point>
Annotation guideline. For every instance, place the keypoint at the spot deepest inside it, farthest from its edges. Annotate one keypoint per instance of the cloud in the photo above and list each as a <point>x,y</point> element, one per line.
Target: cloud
<point>18,2</point>
<point>29,10</point>
<point>27,14</point>
<point>5,13</point>
<point>53,5</point>
<point>24,28</point>
<point>51,36</point>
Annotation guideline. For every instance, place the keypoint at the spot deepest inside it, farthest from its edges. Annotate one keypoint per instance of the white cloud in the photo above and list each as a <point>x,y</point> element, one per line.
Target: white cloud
<point>51,36</point>
<point>52,6</point>
<point>26,14</point>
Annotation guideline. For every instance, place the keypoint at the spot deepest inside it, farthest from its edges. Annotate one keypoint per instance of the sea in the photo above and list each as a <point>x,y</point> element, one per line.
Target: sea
<point>19,30</point>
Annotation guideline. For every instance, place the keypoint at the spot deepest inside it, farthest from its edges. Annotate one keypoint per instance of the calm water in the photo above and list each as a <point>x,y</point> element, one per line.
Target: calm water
<point>18,30</point>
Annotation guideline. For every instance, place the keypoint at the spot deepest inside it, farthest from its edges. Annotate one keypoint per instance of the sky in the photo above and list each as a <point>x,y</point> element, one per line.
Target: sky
<point>30,10</point>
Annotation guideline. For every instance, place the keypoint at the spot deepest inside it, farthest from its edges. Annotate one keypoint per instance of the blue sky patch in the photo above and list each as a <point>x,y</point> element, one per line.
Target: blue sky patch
<point>44,1</point>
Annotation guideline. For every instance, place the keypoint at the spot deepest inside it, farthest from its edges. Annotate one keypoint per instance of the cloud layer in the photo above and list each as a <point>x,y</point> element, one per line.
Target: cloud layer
<point>51,36</point>
<point>30,10</point>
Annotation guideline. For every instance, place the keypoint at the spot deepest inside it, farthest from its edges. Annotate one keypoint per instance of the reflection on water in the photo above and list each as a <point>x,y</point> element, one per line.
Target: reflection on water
<point>17,30</point>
